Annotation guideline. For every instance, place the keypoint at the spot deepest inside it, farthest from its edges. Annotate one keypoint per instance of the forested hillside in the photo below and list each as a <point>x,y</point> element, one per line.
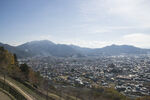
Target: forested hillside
<point>10,67</point>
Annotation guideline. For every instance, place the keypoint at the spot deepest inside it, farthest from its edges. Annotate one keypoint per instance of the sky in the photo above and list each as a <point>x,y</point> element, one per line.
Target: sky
<point>86,23</point>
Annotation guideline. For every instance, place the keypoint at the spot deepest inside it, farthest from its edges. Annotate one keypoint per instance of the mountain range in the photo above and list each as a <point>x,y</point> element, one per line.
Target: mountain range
<point>48,48</point>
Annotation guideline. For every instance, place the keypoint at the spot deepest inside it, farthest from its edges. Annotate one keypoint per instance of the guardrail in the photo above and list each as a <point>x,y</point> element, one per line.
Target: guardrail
<point>11,90</point>
<point>34,89</point>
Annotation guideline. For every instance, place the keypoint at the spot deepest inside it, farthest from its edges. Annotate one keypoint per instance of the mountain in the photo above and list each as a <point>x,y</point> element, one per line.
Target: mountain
<point>84,51</point>
<point>48,48</point>
<point>13,49</point>
<point>120,49</point>
<point>36,48</point>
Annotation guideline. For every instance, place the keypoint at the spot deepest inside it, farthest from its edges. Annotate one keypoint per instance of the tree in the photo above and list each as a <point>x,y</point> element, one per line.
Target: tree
<point>15,59</point>
<point>2,49</point>
<point>25,70</point>
<point>34,78</point>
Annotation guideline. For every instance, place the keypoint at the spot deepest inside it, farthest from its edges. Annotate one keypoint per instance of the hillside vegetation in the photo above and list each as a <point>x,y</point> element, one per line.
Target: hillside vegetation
<point>9,66</point>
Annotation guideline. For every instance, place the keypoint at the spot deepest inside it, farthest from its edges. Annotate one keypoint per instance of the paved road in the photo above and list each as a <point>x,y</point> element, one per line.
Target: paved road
<point>27,96</point>
<point>4,96</point>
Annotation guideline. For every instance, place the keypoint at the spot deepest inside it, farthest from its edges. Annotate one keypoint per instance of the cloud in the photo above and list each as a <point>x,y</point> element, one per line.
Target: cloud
<point>45,37</point>
<point>85,43</point>
<point>115,22</point>
<point>137,39</point>
<point>136,11</point>
<point>116,12</point>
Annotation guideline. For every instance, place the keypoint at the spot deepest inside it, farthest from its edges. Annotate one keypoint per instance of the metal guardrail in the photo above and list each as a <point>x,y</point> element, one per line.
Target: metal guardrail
<point>11,90</point>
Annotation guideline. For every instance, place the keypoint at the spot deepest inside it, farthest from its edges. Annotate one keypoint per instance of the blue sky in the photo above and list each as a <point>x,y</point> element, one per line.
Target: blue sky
<point>87,23</point>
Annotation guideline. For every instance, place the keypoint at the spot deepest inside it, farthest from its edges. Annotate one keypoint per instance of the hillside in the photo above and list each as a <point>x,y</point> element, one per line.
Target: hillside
<point>8,63</point>
<point>6,58</point>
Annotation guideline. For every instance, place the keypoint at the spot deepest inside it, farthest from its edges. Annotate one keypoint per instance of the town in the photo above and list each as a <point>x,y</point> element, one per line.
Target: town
<point>129,74</point>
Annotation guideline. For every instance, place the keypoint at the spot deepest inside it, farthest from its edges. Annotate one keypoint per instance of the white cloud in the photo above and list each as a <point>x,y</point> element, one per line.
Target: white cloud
<point>116,22</point>
<point>133,10</point>
<point>123,12</point>
<point>85,43</point>
<point>137,39</point>
<point>45,37</point>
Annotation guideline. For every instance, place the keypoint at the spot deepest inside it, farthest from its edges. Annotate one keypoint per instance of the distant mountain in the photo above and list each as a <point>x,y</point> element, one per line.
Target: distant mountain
<point>48,48</point>
<point>13,49</point>
<point>84,51</point>
<point>120,49</point>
